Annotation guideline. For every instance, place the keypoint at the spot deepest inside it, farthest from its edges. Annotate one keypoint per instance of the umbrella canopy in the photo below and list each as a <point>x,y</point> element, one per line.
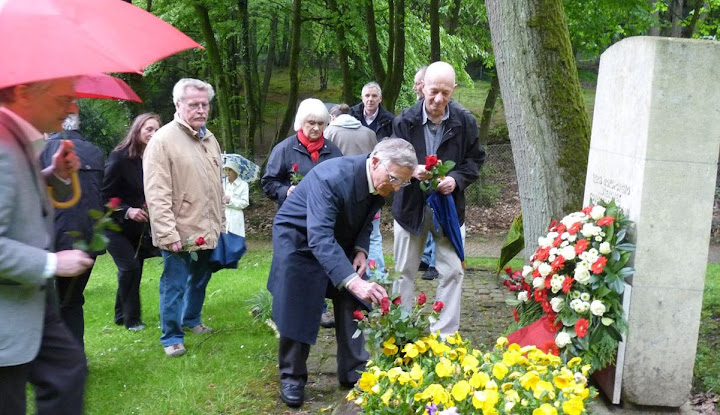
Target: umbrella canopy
<point>229,250</point>
<point>247,170</point>
<point>48,39</point>
<point>104,87</point>
<point>445,216</point>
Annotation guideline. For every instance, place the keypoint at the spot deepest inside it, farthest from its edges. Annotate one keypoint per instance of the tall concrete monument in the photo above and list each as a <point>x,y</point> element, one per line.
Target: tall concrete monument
<point>654,148</point>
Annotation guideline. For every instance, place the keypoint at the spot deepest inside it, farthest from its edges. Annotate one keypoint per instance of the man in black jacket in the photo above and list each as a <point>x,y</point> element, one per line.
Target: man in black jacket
<point>435,126</point>
<point>76,218</point>
<point>371,114</point>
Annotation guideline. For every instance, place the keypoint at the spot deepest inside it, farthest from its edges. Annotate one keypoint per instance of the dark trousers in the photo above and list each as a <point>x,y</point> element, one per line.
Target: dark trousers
<point>351,353</point>
<point>127,298</point>
<point>58,373</point>
<point>71,301</point>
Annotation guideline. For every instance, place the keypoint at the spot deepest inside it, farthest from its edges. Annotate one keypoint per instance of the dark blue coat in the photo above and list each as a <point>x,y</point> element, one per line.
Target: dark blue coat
<point>276,180</point>
<point>316,234</point>
<point>92,167</point>
<point>382,125</point>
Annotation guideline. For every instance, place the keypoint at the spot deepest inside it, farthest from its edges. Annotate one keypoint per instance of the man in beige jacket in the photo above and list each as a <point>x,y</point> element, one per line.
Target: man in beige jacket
<point>183,187</point>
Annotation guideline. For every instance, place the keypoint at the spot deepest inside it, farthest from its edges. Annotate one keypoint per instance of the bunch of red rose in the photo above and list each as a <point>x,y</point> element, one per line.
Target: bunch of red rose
<point>437,169</point>
<point>392,321</point>
<point>514,280</point>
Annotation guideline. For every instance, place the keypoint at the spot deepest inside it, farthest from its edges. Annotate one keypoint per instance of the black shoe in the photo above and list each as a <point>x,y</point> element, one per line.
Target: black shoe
<point>347,385</point>
<point>430,274</point>
<point>292,395</point>
<point>119,321</point>
<point>423,266</point>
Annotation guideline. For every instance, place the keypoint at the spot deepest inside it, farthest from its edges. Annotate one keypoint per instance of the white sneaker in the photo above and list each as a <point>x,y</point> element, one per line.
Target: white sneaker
<point>175,350</point>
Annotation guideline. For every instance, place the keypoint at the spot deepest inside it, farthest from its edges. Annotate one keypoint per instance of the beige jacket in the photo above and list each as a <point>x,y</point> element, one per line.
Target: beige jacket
<point>183,186</point>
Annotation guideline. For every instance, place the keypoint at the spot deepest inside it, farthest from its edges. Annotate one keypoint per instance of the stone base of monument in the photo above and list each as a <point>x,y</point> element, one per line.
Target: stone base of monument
<point>602,406</point>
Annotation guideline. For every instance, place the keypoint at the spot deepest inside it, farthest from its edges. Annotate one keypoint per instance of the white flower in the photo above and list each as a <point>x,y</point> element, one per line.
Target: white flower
<point>557,304</point>
<point>523,296</point>
<point>582,274</point>
<point>597,308</point>
<point>544,269</point>
<point>605,248</point>
<point>580,379</point>
<point>589,230</point>
<point>538,282</point>
<point>570,219</point>
<point>585,297</point>
<point>568,252</point>
<point>574,294</point>
<point>597,212</point>
<point>598,238</point>
<point>527,269</point>
<point>584,307</point>
<point>562,339</point>
<point>572,238</point>
<point>576,305</point>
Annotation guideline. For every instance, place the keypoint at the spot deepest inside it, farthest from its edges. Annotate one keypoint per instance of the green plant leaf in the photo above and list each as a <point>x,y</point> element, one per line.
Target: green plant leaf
<point>513,245</point>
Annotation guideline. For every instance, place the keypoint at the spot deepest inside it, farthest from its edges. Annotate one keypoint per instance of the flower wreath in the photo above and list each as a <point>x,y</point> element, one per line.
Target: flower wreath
<point>575,281</point>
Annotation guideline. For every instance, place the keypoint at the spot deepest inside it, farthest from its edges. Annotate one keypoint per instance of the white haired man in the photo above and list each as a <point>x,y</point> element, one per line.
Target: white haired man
<point>183,187</point>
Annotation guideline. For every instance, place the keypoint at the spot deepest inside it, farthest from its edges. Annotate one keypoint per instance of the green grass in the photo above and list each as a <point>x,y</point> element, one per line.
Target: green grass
<point>234,371</point>
<point>707,361</point>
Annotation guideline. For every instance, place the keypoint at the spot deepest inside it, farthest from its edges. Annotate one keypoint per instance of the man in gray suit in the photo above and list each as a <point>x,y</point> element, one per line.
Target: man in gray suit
<point>35,345</point>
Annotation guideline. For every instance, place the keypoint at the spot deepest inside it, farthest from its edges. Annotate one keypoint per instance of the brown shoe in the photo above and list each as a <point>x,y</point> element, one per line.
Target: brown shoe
<point>175,350</point>
<point>200,329</point>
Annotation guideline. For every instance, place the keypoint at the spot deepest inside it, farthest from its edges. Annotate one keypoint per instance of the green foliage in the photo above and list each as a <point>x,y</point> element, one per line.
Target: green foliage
<point>513,245</point>
<point>104,122</point>
<point>706,375</point>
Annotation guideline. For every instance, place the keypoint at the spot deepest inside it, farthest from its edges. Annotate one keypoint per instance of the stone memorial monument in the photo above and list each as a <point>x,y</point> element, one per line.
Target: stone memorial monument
<point>654,149</point>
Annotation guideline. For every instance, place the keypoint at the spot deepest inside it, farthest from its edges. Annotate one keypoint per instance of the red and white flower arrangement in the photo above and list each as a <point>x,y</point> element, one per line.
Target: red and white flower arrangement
<point>575,280</point>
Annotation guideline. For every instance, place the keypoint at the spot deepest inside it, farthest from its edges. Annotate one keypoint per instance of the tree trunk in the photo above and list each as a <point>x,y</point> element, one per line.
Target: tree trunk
<point>488,109</point>
<point>434,31</point>
<point>454,18</point>
<point>373,45</point>
<point>269,60</point>
<point>697,6</point>
<point>251,103</point>
<point>655,29</point>
<point>340,28</point>
<point>294,83</point>
<point>546,116</point>
<point>394,80</point>
<point>218,76</point>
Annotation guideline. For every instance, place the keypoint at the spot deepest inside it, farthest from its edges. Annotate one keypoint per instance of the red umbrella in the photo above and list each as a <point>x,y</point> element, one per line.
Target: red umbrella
<point>104,87</point>
<point>46,39</point>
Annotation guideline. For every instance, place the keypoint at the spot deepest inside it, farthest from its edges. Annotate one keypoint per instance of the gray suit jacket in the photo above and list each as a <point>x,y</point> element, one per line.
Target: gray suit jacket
<point>26,228</point>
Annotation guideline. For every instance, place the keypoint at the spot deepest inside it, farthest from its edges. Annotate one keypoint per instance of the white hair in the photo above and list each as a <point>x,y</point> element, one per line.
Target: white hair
<point>396,151</point>
<point>72,122</point>
<point>371,85</point>
<point>311,107</point>
<point>185,83</point>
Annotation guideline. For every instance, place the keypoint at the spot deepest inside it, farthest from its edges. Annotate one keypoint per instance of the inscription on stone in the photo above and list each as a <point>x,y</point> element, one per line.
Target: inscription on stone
<point>606,188</point>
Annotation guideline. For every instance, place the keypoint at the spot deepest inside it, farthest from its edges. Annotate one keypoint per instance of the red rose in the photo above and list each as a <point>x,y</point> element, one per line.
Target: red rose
<point>508,270</point>
<point>558,263</point>
<point>581,245</point>
<point>515,315</point>
<point>607,220</point>
<point>581,327</point>
<point>397,300</point>
<point>430,161</point>
<point>295,167</point>
<point>575,228</point>
<point>587,209</point>
<point>371,264</point>
<point>114,203</point>
<point>438,306</point>
<point>385,305</point>
<point>358,315</point>
<point>597,266</point>
<point>567,284</point>
<point>422,298</point>
<point>200,241</point>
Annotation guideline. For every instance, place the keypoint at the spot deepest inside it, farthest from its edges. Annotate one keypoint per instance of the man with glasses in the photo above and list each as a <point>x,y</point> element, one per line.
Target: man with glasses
<point>35,344</point>
<point>321,235</point>
<point>182,177</point>
<point>435,126</point>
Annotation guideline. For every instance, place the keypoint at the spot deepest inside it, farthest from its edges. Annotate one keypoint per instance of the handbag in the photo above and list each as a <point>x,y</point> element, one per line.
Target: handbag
<point>230,248</point>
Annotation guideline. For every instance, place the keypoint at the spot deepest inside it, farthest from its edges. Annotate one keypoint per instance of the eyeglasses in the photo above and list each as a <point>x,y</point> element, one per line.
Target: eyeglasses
<point>198,105</point>
<point>394,180</point>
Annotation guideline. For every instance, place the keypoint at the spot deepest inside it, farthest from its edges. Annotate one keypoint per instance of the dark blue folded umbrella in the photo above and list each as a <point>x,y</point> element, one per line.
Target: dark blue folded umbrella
<point>445,216</point>
<point>229,250</point>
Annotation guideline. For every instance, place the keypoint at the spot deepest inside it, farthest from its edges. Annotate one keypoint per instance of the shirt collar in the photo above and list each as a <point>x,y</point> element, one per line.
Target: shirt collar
<point>198,134</point>
<point>27,129</point>
<point>371,118</point>
<point>425,115</point>
<point>371,187</point>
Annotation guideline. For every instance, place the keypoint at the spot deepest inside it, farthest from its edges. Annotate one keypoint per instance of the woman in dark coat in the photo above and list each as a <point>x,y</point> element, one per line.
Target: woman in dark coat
<point>130,247</point>
<point>305,150</point>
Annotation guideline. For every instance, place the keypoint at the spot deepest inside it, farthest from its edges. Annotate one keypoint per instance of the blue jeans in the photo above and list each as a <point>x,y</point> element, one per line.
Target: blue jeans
<point>429,253</point>
<point>182,293</point>
<point>376,251</point>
